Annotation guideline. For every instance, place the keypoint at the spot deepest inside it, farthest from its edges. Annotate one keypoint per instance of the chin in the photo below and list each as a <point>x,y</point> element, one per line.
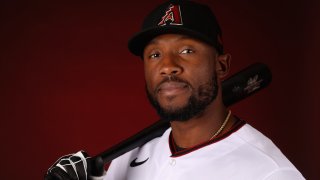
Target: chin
<point>173,104</point>
<point>182,107</point>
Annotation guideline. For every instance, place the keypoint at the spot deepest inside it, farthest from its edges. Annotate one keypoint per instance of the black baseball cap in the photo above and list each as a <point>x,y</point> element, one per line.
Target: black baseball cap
<point>178,17</point>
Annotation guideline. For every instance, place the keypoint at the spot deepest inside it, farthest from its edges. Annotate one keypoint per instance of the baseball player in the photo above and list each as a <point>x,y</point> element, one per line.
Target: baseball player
<point>184,62</point>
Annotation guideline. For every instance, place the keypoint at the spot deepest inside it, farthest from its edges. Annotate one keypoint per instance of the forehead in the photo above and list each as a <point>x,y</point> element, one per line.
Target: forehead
<point>169,41</point>
<point>167,38</point>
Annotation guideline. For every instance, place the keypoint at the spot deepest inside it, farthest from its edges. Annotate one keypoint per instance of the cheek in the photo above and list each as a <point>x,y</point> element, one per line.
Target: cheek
<point>203,73</point>
<point>149,78</point>
<point>203,63</point>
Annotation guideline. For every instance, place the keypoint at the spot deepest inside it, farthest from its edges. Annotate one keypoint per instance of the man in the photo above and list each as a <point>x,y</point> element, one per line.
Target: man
<point>184,62</point>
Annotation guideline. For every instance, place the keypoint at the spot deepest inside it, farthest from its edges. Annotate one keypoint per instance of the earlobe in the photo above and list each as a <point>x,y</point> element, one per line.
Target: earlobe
<point>223,65</point>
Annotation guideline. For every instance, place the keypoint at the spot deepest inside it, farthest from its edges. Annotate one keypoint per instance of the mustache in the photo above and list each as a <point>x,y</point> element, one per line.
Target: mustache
<point>172,78</point>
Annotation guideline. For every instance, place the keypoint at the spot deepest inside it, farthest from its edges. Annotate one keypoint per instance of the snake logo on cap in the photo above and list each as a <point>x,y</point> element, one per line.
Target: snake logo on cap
<point>172,16</point>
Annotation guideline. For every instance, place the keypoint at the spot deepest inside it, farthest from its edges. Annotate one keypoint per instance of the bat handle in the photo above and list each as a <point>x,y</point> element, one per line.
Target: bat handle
<point>149,133</point>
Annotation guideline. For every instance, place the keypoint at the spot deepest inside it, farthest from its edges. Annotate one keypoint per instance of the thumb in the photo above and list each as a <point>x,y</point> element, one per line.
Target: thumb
<point>95,166</point>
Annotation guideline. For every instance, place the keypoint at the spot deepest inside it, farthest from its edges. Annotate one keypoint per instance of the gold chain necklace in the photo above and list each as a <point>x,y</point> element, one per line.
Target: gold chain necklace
<point>222,126</point>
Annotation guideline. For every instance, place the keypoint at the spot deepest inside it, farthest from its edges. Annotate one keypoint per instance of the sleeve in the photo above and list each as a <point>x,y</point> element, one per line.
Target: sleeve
<point>285,174</point>
<point>117,170</point>
<point>119,167</point>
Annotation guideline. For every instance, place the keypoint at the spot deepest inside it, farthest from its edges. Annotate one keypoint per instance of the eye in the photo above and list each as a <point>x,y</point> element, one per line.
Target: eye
<point>187,51</point>
<point>154,55</point>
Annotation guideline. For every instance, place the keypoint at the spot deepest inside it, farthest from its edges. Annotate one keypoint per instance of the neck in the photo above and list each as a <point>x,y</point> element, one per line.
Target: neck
<point>201,128</point>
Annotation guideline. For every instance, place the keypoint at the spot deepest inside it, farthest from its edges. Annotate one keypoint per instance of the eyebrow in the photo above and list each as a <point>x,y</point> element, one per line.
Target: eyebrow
<point>182,37</point>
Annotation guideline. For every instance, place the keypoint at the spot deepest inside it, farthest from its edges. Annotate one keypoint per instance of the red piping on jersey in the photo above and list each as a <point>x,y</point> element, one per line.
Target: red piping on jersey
<point>174,152</point>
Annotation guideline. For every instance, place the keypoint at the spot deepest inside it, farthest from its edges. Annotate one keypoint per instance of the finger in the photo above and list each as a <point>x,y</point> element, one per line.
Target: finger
<point>80,166</point>
<point>68,166</point>
<point>57,173</point>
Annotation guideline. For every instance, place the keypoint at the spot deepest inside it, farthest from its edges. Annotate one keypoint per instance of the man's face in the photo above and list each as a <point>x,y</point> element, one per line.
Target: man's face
<point>180,76</point>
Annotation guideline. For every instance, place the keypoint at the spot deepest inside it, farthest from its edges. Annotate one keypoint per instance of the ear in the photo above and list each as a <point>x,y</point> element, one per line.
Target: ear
<point>223,65</point>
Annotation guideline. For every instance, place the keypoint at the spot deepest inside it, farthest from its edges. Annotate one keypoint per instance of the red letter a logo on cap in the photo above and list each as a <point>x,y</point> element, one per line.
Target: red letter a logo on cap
<point>172,16</point>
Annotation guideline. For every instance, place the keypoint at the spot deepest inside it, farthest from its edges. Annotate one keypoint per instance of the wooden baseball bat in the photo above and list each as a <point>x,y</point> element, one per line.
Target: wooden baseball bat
<point>234,89</point>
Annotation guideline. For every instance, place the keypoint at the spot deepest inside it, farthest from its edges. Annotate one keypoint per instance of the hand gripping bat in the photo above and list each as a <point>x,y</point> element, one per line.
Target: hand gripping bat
<point>237,87</point>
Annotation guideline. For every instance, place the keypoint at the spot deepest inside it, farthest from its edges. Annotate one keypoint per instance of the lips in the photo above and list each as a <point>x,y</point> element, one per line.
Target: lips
<point>172,88</point>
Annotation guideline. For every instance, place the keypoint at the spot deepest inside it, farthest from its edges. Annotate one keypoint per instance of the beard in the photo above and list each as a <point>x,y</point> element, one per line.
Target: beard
<point>196,104</point>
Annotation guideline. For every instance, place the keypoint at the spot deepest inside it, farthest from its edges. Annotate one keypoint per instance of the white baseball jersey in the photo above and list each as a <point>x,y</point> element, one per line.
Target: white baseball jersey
<point>241,154</point>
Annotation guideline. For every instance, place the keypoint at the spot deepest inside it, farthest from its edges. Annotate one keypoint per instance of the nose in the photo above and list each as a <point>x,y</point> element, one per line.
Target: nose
<point>170,66</point>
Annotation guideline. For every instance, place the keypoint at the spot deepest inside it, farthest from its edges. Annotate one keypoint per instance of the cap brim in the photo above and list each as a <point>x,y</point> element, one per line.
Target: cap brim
<point>138,42</point>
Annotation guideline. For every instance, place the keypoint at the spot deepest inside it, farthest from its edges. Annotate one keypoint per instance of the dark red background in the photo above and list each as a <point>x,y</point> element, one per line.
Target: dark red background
<point>68,82</point>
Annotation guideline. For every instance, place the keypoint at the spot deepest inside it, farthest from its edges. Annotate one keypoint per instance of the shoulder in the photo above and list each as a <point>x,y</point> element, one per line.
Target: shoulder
<point>261,152</point>
<point>257,144</point>
<point>285,174</point>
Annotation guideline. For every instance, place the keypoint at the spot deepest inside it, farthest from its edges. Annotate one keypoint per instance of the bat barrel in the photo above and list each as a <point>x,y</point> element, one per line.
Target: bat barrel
<point>245,83</point>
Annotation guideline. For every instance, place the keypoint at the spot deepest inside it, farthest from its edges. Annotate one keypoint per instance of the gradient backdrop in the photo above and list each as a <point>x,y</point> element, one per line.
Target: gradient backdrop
<point>68,82</point>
